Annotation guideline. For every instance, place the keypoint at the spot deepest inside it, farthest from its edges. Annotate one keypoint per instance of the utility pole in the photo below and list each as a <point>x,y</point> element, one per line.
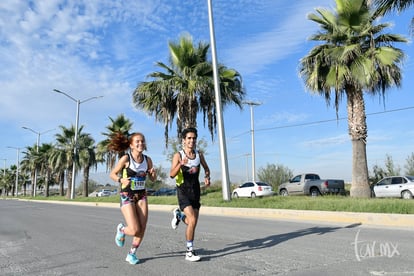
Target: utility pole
<point>251,104</point>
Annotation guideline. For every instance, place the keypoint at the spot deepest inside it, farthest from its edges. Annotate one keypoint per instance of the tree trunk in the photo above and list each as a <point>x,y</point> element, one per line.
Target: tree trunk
<point>47,188</point>
<point>33,183</point>
<point>187,114</point>
<point>360,183</point>
<point>85,191</point>
<point>61,183</point>
<point>357,127</point>
<point>69,180</point>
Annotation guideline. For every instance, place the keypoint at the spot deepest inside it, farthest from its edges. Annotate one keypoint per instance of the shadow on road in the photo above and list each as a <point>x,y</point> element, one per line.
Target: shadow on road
<point>269,241</point>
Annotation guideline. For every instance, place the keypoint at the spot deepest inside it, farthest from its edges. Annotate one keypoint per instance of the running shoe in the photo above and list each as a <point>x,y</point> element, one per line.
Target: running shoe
<point>119,237</point>
<point>192,256</point>
<point>176,218</point>
<point>132,259</point>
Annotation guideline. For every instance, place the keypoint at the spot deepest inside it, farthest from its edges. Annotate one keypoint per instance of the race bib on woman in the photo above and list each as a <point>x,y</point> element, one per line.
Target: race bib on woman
<point>138,181</point>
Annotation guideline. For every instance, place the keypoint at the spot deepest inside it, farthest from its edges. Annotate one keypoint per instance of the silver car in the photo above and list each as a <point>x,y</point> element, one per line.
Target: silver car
<point>253,189</point>
<point>395,186</point>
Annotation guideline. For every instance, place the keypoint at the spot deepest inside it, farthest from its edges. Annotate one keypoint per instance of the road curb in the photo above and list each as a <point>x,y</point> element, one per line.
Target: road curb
<point>405,221</point>
<point>368,219</point>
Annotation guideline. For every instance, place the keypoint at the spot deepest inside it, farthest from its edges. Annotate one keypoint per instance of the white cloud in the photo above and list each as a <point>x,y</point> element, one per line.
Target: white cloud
<point>281,119</point>
<point>273,43</point>
<point>327,141</point>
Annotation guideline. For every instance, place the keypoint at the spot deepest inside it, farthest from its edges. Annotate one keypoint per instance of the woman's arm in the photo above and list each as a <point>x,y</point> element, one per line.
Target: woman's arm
<point>114,175</point>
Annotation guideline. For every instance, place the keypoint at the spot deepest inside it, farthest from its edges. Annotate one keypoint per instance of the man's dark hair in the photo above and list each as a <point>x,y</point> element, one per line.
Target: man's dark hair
<point>188,130</point>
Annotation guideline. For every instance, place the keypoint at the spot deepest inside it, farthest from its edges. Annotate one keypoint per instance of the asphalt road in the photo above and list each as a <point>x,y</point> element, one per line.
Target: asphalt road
<point>57,239</point>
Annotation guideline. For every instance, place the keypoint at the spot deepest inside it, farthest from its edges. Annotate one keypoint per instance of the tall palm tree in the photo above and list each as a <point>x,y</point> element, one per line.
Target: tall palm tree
<point>3,182</point>
<point>186,87</point>
<point>59,176</point>
<point>12,180</point>
<point>87,159</point>
<point>6,181</point>
<point>29,165</point>
<point>355,58</point>
<point>63,157</point>
<point>58,166</point>
<point>45,171</point>
<point>387,6</point>
<point>119,124</point>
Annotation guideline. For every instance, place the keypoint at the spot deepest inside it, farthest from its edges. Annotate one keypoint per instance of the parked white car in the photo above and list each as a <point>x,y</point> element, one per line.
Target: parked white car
<point>253,189</point>
<point>395,186</point>
<point>104,192</point>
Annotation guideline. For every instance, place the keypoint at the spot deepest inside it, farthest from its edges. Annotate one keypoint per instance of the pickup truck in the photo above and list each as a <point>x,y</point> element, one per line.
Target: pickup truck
<point>311,184</point>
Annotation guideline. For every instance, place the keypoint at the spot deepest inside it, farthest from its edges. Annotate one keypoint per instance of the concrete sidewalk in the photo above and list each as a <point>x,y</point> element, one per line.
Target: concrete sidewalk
<point>364,219</point>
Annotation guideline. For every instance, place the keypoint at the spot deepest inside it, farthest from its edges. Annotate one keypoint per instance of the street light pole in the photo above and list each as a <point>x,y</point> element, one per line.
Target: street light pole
<point>251,104</point>
<point>78,102</point>
<point>17,170</point>
<point>223,151</point>
<point>34,185</point>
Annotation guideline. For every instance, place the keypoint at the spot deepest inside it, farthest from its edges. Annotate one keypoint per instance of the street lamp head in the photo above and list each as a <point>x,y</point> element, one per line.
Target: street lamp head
<point>251,103</point>
<point>28,128</point>
<point>91,98</point>
<point>37,132</point>
<point>76,100</point>
<point>67,95</point>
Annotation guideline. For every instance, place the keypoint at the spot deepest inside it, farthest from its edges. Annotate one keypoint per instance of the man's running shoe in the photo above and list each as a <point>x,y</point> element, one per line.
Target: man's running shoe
<point>119,237</point>
<point>176,218</point>
<point>192,256</point>
<point>132,259</point>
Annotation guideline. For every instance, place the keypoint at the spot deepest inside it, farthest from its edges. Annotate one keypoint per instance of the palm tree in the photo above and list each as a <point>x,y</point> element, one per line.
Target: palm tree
<point>59,176</point>
<point>87,159</point>
<point>12,180</point>
<point>6,181</point>
<point>3,182</point>
<point>63,157</point>
<point>186,87</point>
<point>385,6</point>
<point>355,58</point>
<point>29,165</point>
<point>45,171</point>
<point>119,124</point>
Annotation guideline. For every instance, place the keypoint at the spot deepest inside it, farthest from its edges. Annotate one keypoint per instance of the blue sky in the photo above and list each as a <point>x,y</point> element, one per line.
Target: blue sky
<point>105,48</point>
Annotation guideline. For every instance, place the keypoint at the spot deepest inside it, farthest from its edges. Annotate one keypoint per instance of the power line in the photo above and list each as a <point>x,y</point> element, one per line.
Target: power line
<point>323,121</point>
